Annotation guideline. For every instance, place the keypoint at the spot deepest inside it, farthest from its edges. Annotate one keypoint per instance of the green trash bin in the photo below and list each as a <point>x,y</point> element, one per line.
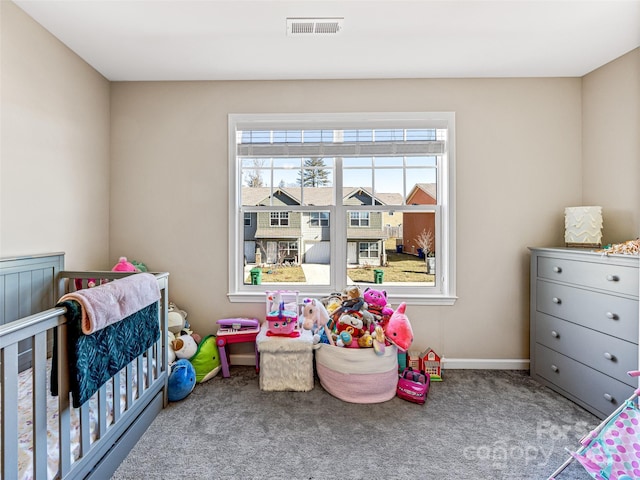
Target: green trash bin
<point>256,276</point>
<point>378,275</point>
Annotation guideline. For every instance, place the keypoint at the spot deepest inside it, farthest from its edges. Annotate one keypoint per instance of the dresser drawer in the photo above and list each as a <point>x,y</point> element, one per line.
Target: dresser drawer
<point>602,352</point>
<point>603,276</point>
<point>609,314</point>
<point>596,389</point>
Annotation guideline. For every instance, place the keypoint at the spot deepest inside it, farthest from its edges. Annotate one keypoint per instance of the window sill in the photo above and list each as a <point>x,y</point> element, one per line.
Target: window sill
<point>441,300</point>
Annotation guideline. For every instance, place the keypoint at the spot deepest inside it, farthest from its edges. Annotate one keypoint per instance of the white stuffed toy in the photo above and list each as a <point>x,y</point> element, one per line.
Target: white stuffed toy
<point>177,319</point>
<point>316,318</point>
<point>185,346</point>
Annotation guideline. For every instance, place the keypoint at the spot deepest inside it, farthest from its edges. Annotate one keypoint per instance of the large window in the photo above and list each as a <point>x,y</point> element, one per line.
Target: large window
<point>338,194</point>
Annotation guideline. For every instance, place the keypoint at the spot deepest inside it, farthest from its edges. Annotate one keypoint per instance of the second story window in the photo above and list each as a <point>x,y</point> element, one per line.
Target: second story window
<point>359,219</point>
<point>319,219</point>
<point>279,219</point>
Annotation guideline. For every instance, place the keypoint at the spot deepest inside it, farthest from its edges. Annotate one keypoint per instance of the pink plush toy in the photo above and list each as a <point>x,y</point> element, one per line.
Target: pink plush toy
<point>377,305</point>
<point>124,266</point>
<point>399,330</point>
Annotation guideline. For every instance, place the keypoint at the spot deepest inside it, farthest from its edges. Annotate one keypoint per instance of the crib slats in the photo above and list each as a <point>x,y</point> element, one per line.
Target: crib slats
<point>116,399</point>
<point>102,412</point>
<point>39,377</point>
<point>64,405</point>
<point>140,379</point>
<point>129,396</point>
<point>9,368</point>
<point>85,431</point>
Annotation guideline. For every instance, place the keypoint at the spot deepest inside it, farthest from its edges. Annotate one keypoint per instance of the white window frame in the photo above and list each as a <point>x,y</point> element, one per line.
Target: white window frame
<point>445,212</point>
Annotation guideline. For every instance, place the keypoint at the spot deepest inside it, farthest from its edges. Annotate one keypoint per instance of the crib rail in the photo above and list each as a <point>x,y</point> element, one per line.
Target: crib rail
<point>141,381</point>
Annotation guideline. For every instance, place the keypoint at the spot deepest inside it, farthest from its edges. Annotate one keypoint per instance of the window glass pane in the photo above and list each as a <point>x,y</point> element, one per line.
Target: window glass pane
<point>286,163</point>
<point>389,161</point>
<point>389,185</point>
<point>401,252</point>
<point>426,161</point>
<point>287,248</point>
<point>349,162</point>
<point>421,186</point>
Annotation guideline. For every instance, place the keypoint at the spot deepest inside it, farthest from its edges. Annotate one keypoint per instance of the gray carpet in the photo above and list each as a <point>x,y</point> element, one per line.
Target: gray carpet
<point>475,425</point>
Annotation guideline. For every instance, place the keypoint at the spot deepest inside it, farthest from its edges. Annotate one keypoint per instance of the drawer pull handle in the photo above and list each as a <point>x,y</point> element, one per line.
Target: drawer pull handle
<point>556,300</point>
<point>608,356</point>
<point>557,269</point>
<point>554,368</point>
<point>555,334</point>
<point>613,278</point>
<point>608,397</point>
<point>612,316</point>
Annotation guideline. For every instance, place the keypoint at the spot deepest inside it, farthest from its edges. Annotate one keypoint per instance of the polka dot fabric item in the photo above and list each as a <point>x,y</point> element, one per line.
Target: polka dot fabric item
<point>615,453</point>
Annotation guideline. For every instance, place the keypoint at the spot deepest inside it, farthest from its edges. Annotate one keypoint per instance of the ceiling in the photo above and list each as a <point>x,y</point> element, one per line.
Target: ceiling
<point>247,39</point>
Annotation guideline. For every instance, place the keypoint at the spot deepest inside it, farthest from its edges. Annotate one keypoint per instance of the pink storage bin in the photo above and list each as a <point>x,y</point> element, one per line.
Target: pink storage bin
<point>358,375</point>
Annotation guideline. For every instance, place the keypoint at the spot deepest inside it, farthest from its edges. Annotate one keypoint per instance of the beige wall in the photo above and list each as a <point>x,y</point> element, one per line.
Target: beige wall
<point>515,139</point>
<point>611,145</point>
<point>54,147</point>
<point>148,166</point>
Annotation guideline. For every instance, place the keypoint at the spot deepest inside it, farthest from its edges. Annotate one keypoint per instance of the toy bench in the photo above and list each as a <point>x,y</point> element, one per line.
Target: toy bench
<point>286,363</point>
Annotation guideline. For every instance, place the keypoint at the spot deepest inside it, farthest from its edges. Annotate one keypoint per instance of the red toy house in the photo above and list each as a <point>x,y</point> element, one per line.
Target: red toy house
<point>430,362</point>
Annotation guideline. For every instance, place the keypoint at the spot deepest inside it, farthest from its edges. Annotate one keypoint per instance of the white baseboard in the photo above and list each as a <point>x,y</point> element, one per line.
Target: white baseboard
<point>485,364</point>
<point>448,363</point>
<point>242,359</point>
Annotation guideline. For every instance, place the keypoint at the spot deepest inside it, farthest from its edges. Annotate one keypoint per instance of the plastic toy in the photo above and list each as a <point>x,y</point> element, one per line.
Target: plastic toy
<point>399,330</point>
<point>182,379</point>
<point>236,330</point>
<point>413,386</point>
<point>430,362</point>
<point>282,322</point>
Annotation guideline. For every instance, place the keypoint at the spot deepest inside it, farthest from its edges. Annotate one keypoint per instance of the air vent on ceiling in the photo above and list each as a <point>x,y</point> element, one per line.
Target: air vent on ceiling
<point>314,26</point>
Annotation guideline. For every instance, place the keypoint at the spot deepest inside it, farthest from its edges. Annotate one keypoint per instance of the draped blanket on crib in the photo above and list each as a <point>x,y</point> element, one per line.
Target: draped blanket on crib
<point>95,358</point>
<point>113,301</point>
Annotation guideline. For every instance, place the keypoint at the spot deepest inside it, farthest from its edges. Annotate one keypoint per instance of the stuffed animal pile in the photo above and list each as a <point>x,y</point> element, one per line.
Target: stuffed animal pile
<point>356,319</point>
<point>186,346</point>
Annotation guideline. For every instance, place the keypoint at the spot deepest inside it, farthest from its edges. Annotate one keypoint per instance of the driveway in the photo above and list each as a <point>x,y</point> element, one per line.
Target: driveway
<point>316,273</point>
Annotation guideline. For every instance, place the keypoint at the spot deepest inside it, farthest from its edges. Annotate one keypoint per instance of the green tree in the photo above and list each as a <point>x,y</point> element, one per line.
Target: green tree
<point>313,174</point>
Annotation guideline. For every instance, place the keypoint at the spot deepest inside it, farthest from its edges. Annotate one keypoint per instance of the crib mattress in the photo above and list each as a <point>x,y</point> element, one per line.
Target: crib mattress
<point>25,440</point>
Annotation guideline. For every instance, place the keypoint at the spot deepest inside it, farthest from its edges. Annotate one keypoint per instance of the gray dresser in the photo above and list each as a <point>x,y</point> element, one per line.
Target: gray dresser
<point>584,325</point>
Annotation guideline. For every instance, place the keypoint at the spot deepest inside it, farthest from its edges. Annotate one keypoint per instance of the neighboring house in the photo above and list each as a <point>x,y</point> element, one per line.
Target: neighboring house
<point>415,223</point>
<point>303,236</point>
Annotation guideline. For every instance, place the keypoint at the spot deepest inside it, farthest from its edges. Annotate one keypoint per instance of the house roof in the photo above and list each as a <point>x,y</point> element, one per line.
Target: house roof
<point>320,196</point>
<point>428,188</point>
